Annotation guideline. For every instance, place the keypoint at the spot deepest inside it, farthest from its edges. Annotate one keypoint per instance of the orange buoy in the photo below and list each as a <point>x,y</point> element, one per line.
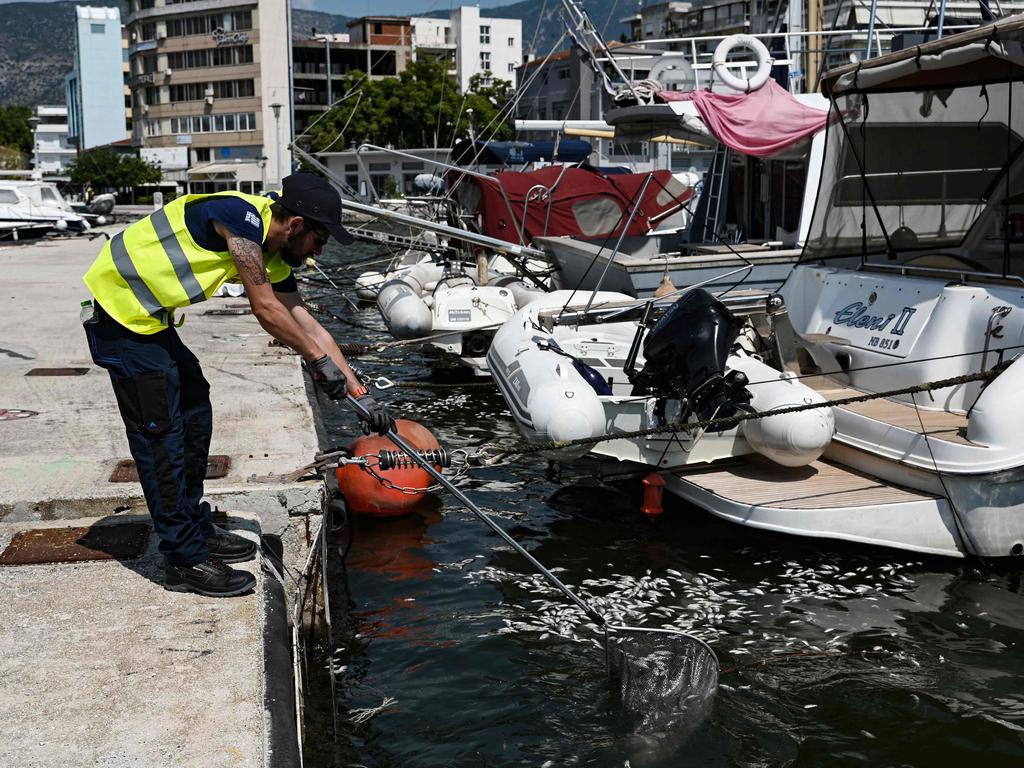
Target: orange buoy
<point>653,484</point>
<point>365,494</point>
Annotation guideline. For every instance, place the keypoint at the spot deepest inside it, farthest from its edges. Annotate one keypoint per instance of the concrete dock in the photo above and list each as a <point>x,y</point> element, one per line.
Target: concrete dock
<point>100,665</point>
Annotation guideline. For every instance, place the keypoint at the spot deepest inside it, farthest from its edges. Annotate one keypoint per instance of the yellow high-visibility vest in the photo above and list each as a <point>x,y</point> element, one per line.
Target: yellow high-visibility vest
<point>154,266</point>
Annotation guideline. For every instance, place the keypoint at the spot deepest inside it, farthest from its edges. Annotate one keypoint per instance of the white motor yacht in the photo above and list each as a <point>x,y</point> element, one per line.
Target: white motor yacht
<point>902,328</point>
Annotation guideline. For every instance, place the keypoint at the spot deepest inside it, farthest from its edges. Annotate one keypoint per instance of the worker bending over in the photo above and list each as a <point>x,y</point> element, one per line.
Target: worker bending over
<point>178,256</point>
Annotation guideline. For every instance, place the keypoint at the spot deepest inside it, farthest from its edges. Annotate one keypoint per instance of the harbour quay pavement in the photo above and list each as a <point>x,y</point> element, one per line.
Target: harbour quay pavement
<point>99,665</point>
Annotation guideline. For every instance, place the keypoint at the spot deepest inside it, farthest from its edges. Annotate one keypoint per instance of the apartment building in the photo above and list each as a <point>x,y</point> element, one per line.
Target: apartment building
<point>212,76</point>
<point>471,43</point>
<point>385,43</point>
<point>51,152</point>
<point>659,20</point>
<point>377,46</point>
<point>94,89</point>
<point>383,46</point>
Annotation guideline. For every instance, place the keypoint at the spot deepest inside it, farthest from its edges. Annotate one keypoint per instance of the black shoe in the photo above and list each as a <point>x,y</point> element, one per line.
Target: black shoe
<point>212,578</point>
<point>230,547</point>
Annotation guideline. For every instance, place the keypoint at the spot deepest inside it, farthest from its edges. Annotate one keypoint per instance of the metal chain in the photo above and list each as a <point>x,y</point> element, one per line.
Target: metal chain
<point>461,467</point>
<point>491,455</point>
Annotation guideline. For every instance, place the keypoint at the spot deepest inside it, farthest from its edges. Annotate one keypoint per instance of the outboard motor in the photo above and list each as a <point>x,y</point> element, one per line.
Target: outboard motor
<point>686,353</point>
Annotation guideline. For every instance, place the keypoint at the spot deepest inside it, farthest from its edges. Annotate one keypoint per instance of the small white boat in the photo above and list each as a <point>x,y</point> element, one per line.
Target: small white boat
<point>567,381</point>
<point>446,307</point>
<point>30,209</point>
<point>98,209</point>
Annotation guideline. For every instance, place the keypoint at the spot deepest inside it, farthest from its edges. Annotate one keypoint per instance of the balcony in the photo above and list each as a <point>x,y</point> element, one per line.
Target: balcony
<point>141,47</point>
<point>441,43</point>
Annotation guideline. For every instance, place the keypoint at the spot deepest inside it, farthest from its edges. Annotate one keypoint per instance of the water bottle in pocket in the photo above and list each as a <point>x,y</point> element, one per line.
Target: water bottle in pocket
<point>87,314</point>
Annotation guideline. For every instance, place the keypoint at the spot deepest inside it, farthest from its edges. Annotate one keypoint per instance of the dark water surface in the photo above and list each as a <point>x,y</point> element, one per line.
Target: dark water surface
<point>831,654</point>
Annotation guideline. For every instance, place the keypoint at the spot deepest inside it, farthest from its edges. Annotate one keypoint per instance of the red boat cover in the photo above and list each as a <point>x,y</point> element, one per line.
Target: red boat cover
<point>583,203</point>
<point>760,123</point>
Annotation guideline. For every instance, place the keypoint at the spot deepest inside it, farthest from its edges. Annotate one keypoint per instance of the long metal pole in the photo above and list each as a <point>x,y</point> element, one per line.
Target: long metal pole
<point>447,485</point>
<point>330,93</point>
<point>280,149</point>
<point>614,253</point>
<point>291,86</point>
<point>500,246</point>
<point>942,18</point>
<point>871,28</point>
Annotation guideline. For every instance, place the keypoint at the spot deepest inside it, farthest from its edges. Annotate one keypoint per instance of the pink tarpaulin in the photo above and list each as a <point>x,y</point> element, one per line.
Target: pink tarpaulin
<point>760,123</point>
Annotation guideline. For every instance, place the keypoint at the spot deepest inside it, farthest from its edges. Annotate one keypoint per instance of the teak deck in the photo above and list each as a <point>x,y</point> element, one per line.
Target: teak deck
<point>938,425</point>
<point>820,485</point>
<point>758,482</point>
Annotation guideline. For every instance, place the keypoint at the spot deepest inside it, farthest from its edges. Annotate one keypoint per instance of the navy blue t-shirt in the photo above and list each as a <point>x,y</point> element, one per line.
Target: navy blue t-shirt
<point>236,215</point>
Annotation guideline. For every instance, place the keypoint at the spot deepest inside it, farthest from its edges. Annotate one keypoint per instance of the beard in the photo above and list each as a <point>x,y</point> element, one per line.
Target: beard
<point>287,252</point>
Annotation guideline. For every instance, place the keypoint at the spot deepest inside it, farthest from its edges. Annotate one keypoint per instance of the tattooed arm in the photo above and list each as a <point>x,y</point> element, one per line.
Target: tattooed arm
<point>293,301</point>
<point>269,311</point>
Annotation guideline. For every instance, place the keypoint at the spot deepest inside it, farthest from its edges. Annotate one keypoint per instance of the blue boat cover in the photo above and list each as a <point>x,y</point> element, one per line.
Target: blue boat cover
<point>519,152</point>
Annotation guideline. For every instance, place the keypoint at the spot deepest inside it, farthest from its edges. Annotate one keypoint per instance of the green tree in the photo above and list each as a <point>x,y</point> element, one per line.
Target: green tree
<point>422,107</point>
<point>104,169</point>
<point>15,132</point>
<point>12,159</point>
<point>487,97</point>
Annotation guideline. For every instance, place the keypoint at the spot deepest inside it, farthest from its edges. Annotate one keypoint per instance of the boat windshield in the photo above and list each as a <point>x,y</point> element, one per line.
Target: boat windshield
<point>912,170</point>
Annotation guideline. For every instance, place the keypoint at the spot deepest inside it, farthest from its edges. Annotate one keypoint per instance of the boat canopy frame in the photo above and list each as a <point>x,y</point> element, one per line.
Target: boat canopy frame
<point>923,153</point>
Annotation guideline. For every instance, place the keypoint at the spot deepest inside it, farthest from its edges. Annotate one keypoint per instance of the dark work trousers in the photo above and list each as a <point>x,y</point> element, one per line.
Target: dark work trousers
<point>165,404</point>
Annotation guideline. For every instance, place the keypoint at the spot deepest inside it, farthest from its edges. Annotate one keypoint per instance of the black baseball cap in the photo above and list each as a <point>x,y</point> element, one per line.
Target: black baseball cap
<point>313,198</point>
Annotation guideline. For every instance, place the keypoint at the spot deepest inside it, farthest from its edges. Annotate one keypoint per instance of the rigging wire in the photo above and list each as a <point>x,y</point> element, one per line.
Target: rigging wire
<point>536,29</point>
<point>337,101</point>
<point>512,104</point>
<point>608,19</point>
<point>351,115</point>
<point>685,207</point>
<point>966,540</point>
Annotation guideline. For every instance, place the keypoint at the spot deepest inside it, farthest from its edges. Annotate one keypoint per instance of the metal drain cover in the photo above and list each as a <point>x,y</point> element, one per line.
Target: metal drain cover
<point>113,541</point>
<point>229,311</point>
<point>58,372</point>
<point>126,471</point>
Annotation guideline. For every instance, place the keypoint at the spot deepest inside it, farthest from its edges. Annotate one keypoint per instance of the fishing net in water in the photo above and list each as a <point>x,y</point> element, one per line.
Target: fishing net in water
<point>664,680</point>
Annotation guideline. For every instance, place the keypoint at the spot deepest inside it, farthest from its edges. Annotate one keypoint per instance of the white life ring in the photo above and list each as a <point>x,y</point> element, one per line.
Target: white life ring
<point>764,63</point>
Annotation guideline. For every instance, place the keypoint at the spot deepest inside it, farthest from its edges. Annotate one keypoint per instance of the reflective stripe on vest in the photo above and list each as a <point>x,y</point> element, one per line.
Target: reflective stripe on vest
<point>178,259</point>
<point>155,266</point>
<point>126,268</point>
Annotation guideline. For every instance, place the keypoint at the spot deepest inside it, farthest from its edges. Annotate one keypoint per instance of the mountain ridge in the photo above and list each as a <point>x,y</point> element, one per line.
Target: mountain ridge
<point>37,38</point>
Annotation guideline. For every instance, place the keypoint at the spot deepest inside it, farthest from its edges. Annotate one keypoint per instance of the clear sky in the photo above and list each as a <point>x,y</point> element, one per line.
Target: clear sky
<point>356,8</point>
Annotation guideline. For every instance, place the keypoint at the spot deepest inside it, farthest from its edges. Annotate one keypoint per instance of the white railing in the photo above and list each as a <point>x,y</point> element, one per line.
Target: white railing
<point>433,41</point>
<point>796,45</point>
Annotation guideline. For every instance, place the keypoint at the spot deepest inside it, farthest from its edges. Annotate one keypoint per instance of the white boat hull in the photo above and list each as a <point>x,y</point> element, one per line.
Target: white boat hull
<point>639,274</point>
<point>824,501</point>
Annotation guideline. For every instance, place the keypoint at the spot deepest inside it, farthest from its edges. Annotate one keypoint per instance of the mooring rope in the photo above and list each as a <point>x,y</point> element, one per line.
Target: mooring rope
<point>320,308</point>
<point>491,455</point>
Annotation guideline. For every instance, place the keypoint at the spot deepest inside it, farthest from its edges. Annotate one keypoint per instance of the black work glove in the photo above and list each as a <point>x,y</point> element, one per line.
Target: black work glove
<point>329,377</point>
<point>379,419</point>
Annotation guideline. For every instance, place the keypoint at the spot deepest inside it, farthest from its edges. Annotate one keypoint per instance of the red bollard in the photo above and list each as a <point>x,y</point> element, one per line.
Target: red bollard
<point>653,485</point>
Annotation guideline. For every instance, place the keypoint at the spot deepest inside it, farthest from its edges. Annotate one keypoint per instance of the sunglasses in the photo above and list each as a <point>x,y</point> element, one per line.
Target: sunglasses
<point>321,235</point>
